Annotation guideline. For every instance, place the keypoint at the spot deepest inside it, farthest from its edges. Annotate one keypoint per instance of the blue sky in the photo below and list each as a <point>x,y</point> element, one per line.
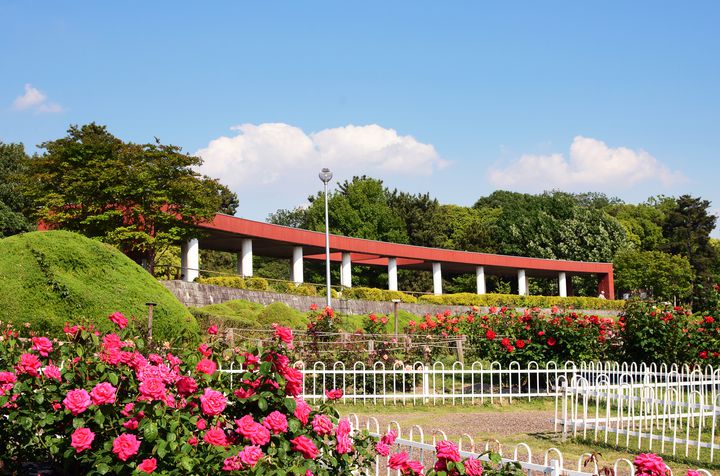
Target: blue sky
<point>453,98</point>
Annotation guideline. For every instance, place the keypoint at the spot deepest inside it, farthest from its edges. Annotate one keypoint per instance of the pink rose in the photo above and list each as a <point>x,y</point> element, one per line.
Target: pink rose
<point>650,464</point>
<point>283,333</point>
<point>342,433</point>
<point>186,386</point>
<point>152,388</point>
<point>389,437</point>
<point>77,401</point>
<point>148,465</point>
<point>103,393</point>
<point>414,468</point>
<point>250,455</point>
<point>193,441</point>
<point>7,377</point>
<point>206,366</point>
<point>473,467</point>
<point>293,380</point>
<point>119,319</point>
<point>398,460</point>
<point>82,439</point>
<point>447,450</point>
<point>125,446</point>
<point>29,364</point>
<point>302,410</point>
<point>322,425</point>
<point>334,394</point>
<point>276,422</point>
<point>212,402</point>
<point>201,424</point>
<point>213,330</point>
<point>216,437</point>
<point>42,345</point>
<point>382,449</point>
<point>253,431</point>
<point>304,445</point>
<point>50,371</point>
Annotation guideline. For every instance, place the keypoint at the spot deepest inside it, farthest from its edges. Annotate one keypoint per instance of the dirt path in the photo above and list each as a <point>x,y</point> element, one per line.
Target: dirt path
<point>475,424</point>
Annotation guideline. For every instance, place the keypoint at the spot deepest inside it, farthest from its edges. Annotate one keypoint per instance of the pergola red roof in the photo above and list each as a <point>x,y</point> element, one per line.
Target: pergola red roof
<point>226,232</point>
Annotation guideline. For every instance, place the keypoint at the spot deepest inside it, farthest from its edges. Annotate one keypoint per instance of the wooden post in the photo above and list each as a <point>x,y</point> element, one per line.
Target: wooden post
<point>230,337</point>
<point>395,310</point>
<point>150,306</point>
<point>459,348</point>
<point>371,346</point>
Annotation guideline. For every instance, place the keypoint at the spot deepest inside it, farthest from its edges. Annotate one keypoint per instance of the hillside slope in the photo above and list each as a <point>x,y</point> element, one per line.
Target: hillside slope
<point>49,278</point>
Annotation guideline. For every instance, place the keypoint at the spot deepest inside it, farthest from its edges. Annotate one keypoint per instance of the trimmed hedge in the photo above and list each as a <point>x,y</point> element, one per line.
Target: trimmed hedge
<point>226,281</point>
<point>514,300</point>
<point>375,294</point>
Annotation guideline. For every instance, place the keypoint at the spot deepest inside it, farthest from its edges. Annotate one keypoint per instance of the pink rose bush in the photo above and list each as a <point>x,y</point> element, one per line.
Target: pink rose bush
<point>107,404</point>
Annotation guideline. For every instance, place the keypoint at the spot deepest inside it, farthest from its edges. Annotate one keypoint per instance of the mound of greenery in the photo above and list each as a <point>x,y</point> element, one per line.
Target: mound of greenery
<point>49,278</point>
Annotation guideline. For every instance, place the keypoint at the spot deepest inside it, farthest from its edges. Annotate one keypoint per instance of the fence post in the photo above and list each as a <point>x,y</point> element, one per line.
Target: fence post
<point>555,468</point>
<point>230,337</point>
<point>426,384</point>
<point>371,346</point>
<point>565,412</point>
<point>459,348</point>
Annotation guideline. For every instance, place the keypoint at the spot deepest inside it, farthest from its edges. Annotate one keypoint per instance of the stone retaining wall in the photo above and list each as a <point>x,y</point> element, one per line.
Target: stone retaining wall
<point>198,295</point>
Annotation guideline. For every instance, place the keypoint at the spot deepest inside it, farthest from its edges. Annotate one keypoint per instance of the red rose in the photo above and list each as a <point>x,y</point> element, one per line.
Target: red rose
<point>82,439</point>
<point>551,341</point>
<point>519,343</point>
<point>148,465</point>
<point>250,455</point>
<point>213,330</point>
<point>283,333</point>
<point>125,446</point>
<point>77,401</point>
<point>276,422</point>
<point>103,393</point>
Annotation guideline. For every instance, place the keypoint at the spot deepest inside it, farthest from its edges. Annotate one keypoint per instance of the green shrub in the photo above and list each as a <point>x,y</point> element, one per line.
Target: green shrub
<point>333,293</point>
<point>280,313</point>
<point>390,295</point>
<point>226,281</point>
<point>514,300</point>
<point>286,287</point>
<point>257,284</point>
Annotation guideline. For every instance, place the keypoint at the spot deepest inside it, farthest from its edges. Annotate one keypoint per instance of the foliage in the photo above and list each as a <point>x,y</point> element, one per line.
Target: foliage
<point>663,276</point>
<point>140,197</point>
<point>687,230</point>
<point>13,164</point>
<point>226,281</point>
<point>257,284</point>
<point>515,300</point>
<point>48,278</point>
<point>375,294</point>
<point>112,409</point>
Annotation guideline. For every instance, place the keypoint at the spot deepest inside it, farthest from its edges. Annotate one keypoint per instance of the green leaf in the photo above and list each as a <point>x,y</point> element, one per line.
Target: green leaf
<point>262,404</point>
<point>102,468</point>
<point>113,379</point>
<point>99,417</point>
<point>150,432</point>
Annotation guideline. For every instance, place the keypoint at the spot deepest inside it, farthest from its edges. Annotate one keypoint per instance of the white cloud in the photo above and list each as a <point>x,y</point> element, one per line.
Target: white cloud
<point>591,163</point>
<point>36,100</point>
<point>284,155</point>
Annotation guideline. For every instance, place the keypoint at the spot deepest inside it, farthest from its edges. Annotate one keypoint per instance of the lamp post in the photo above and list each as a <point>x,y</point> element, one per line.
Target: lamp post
<point>325,175</point>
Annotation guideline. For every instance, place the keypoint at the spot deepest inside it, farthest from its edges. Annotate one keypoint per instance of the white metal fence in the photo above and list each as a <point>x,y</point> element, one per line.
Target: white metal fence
<point>671,412</point>
<point>457,383</point>
<point>421,446</point>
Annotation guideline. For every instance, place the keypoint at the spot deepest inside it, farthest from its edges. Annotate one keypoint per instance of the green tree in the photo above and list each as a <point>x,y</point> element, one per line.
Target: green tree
<point>663,276</point>
<point>13,166</point>
<point>358,208</point>
<point>642,223</point>
<point>140,197</point>
<point>295,218</point>
<point>418,213</point>
<point>687,229</point>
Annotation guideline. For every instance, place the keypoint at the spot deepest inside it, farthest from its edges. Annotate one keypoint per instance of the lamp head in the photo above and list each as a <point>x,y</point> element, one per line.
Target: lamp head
<point>325,175</point>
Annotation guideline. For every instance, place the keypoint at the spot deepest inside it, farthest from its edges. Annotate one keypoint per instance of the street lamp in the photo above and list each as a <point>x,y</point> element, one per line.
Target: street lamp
<point>325,175</point>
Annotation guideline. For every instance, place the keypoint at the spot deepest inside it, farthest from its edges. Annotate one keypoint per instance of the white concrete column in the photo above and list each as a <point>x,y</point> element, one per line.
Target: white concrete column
<point>392,274</point>
<point>480,275</point>
<point>522,283</point>
<point>297,265</point>
<point>562,284</point>
<point>190,260</point>
<point>346,271</point>
<point>437,278</point>
<point>245,259</point>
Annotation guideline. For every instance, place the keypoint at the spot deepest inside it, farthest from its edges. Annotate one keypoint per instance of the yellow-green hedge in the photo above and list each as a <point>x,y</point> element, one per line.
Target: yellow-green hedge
<point>227,281</point>
<point>514,300</point>
<point>375,294</point>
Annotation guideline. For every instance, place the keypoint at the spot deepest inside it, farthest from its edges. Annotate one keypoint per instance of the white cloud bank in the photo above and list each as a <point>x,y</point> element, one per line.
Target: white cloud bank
<point>35,100</point>
<point>277,153</point>
<point>591,163</point>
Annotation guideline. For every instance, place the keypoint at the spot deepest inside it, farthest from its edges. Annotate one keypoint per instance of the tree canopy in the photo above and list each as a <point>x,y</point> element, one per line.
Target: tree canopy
<point>140,197</point>
<point>13,203</point>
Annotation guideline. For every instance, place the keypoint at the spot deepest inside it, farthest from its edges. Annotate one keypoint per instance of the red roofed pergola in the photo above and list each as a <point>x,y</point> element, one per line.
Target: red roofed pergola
<point>245,237</point>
